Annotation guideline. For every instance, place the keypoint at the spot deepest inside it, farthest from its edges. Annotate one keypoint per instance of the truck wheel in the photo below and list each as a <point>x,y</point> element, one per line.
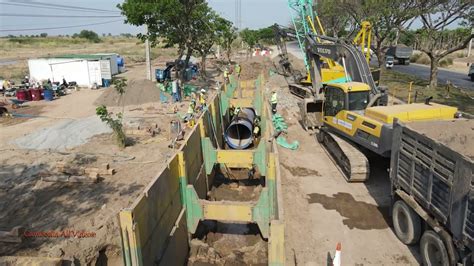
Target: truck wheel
<point>433,250</point>
<point>406,222</point>
<point>472,77</point>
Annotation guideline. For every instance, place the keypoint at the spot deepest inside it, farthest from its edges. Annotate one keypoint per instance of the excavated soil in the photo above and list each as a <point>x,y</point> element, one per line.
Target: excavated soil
<point>253,67</point>
<point>138,92</point>
<point>456,134</point>
<point>228,244</point>
<point>235,185</point>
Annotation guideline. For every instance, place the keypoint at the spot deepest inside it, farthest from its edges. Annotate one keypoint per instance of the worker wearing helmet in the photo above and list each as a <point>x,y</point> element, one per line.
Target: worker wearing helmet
<point>274,102</point>
<point>202,98</point>
<point>190,113</point>
<point>238,69</point>
<point>226,76</point>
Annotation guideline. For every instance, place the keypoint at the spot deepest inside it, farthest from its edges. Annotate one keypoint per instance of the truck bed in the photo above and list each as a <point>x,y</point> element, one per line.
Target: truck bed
<point>432,162</point>
<point>458,135</point>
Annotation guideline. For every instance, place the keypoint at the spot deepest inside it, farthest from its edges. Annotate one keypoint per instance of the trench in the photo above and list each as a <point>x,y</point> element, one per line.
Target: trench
<point>228,243</point>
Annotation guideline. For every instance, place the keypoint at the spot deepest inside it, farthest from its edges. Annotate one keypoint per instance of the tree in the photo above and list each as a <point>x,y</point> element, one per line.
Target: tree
<point>333,17</point>
<point>89,35</point>
<point>172,22</point>
<point>229,35</point>
<point>120,86</point>
<point>436,17</point>
<point>250,37</point>
<point>43,35</point>
<point>386,17</point>
<point>115,123</point>
<point>211,31</point>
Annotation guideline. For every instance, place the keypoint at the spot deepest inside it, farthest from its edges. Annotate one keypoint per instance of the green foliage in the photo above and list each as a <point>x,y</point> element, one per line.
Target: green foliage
<point>120,86</point>
<point>88,35</point>
<point>445,62</point>
<point>260,36</point>
<point>229,35</point>
<point>114,123</point>
<point>250,37</point>
<point>43,35</point>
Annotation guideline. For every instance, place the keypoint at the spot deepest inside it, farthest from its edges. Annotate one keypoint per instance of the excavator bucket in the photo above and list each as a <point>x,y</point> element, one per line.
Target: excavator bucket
<point>311,113</point>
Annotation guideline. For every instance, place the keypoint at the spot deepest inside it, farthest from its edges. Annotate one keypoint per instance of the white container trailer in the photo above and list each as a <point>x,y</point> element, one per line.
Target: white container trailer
<point>86,73</point>
<point>113,62</point>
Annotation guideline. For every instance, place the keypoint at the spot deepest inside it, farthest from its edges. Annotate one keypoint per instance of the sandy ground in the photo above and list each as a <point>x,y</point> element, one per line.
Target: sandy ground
<point>91,207</point>
<point>322,209</point>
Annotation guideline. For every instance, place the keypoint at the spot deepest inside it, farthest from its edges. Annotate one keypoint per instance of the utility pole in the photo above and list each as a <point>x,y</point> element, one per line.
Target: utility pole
<point>147,54</point>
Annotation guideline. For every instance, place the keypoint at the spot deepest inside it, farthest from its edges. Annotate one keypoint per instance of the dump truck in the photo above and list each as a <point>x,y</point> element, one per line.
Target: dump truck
<point>401,53</point>
<point>432,178</point>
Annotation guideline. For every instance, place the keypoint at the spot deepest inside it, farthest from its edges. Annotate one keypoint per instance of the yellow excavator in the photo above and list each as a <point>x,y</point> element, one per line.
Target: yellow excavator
<point>351,115</point>
<point>354,114</point>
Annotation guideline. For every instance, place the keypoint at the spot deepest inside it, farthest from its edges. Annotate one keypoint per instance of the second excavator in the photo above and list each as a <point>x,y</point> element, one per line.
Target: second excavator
<point>351,115</point>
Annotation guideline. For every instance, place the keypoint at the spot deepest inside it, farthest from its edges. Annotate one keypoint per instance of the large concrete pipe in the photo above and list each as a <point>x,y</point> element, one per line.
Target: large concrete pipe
<point>239,134</point>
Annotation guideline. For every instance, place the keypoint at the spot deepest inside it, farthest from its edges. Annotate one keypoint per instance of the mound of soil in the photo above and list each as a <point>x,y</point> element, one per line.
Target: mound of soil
<point>253,67</point>
<point>456,134</point>
<point>137,92</point>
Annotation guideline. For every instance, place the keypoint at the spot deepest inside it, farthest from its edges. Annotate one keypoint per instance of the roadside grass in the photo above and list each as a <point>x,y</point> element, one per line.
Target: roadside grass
<point>22,49</point>
<point>398,85</point>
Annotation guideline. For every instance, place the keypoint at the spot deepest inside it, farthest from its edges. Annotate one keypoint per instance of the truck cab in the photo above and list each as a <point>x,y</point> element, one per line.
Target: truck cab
<point>389,62</point>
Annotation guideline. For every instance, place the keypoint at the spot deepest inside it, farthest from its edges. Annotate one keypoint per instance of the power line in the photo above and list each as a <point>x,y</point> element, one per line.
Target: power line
<point>54,16</point>
<point>42,4</point>
<point>53,8</point>
<point>63,27</point>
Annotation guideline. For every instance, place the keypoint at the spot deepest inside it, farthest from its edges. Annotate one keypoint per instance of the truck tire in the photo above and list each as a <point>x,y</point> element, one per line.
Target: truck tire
<point>472,77</point>
<point>406,223</point>
<point>432,249</point>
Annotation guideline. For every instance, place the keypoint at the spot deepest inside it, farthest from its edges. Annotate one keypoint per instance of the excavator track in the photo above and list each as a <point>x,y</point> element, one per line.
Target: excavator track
<point>350,161</point>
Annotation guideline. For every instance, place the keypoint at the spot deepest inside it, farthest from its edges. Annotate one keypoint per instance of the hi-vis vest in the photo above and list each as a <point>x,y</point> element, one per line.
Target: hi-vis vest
<point>274,98</point>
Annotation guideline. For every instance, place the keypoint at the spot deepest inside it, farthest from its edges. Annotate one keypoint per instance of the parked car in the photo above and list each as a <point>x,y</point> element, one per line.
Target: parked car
<point>389,62</point>
<point>471,72</point>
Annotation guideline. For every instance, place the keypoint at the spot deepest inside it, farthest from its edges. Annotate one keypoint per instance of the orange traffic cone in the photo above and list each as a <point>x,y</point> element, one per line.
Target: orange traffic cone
<point>337,257</point>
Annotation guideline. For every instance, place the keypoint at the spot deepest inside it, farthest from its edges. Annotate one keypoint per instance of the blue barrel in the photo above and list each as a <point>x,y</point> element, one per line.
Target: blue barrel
<point>120,61</point>
<point>48,95</point>
<point>160,75</point>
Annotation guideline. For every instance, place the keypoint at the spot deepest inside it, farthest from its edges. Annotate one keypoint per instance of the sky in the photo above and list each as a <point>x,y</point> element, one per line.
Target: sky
<point>16,15</point>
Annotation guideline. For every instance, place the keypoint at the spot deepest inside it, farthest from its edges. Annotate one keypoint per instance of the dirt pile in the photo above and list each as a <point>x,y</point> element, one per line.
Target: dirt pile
<point>138,92</point>
<point>253,67</point>
<point>457,134</point>
<point>229,244</point>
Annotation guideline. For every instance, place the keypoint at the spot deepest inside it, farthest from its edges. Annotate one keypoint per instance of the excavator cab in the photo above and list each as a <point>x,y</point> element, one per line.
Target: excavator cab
<point>343,102</point>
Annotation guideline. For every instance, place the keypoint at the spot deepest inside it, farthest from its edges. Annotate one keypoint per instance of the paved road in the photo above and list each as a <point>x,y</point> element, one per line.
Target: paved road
<point>459,79</point>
